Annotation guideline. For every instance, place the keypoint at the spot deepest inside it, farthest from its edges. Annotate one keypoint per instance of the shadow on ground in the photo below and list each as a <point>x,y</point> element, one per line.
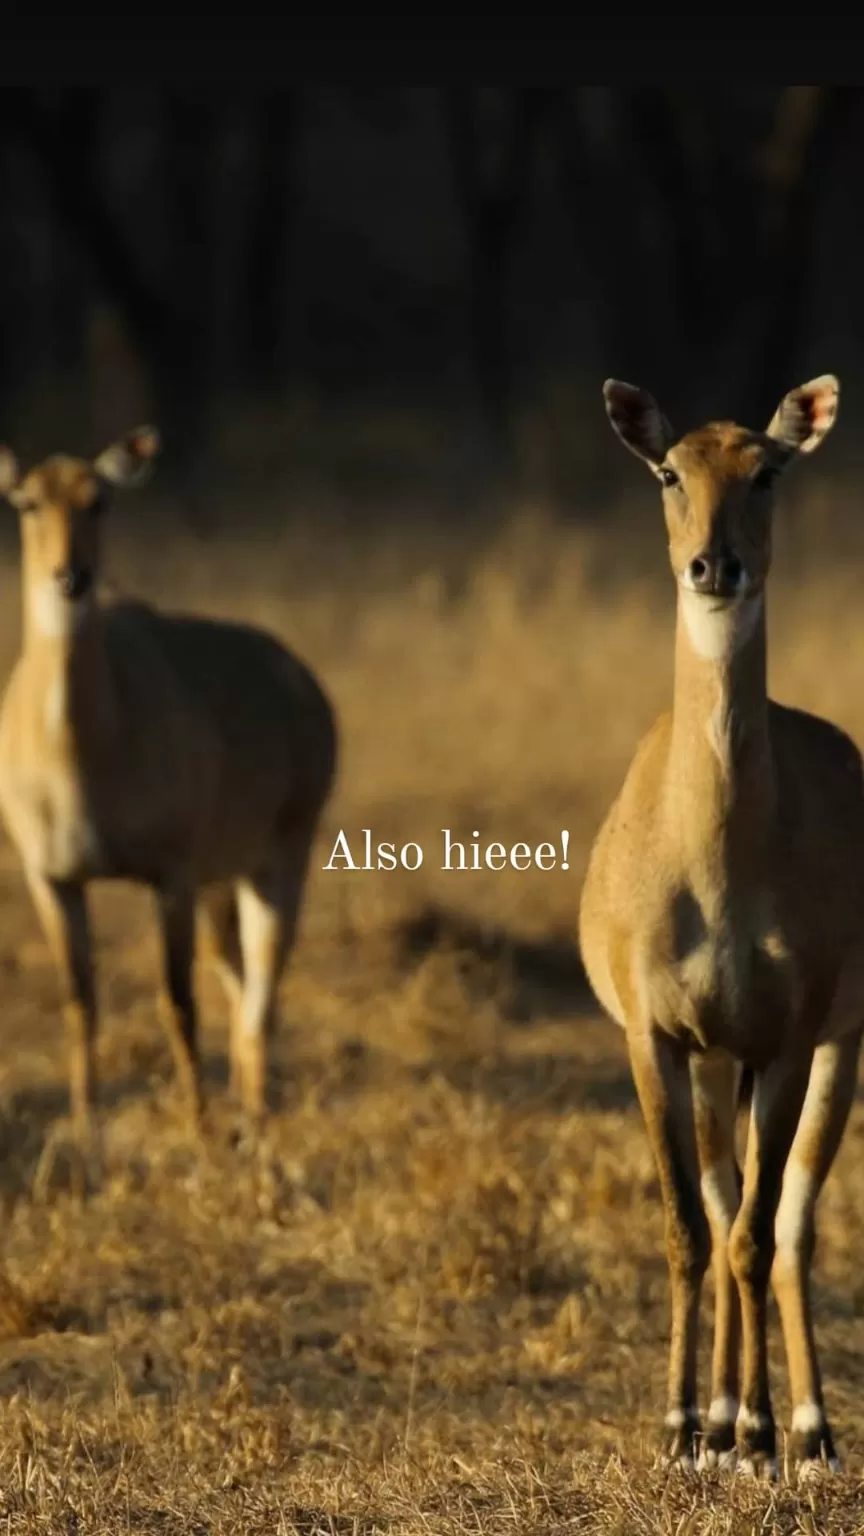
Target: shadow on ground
<point>560,1083</point>
<point>529,979</point>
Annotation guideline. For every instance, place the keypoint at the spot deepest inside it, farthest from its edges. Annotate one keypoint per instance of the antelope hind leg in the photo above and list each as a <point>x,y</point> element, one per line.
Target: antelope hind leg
<point>830,1092</point>
<point>268,909</point>
<point>715,1078</point>
<point>177,923</point>
<point>219,905</point>
<point>62,911</point>
<point>778,1097</point>
<point>660,1069</point>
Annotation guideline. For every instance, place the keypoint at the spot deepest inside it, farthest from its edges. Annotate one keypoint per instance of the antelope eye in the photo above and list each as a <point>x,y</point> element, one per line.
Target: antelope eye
<point>668,477</point>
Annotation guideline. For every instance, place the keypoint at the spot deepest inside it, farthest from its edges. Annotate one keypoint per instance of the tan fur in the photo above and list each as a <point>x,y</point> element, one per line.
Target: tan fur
<point>191,755</point>
<point>722,922</point>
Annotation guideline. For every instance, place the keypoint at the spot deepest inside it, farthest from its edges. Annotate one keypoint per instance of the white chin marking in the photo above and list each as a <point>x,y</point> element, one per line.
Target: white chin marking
<point>716,629</point>
<point>53,614</point>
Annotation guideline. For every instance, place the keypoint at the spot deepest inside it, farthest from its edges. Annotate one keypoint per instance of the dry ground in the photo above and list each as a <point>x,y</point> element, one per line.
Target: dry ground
<point>434,1298</point>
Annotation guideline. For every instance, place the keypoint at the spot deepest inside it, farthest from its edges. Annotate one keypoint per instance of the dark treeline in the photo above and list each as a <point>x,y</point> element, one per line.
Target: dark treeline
<point>455,246</point>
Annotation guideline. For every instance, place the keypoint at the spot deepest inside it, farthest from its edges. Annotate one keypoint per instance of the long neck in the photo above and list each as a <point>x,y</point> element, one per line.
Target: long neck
<point>721,770</point>
<point>63,650</point>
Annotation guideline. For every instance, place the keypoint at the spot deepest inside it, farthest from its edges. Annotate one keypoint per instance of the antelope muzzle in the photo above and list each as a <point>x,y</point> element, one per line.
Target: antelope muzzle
<point>716,575</point>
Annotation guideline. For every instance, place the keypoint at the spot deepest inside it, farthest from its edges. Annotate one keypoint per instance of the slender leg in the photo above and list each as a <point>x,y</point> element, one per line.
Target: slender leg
<point>220,906</point>
<point>660,1070</point>
<point>177,922</point>
<point>715,1085</point>
<point>268,908</point>
<point>262,939</point>
<point>830,1092</point>
<point>62,910</point>
<point>778,1095</point>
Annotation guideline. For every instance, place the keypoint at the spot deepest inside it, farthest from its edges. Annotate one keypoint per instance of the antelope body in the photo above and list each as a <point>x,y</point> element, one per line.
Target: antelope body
<point>722,926</point>
<point>190,755</point>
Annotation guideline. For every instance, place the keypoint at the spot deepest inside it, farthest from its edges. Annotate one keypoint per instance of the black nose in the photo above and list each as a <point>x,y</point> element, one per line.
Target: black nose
<point>719,575</point>
<point>74,581</point>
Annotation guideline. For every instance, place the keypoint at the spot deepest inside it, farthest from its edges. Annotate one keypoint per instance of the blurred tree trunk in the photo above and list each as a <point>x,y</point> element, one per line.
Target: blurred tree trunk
<point>680,273</point>
<point>15,362</point>
<point>601,191</point>
<point>642,232</point>
<point>169,327</point>
<point>490,137</point>
<point>65,137</point>
<point>186,362</point>
<point>703,258</point>
<point>68,301</point>
<point>272,195</point>
<point>796,166</point>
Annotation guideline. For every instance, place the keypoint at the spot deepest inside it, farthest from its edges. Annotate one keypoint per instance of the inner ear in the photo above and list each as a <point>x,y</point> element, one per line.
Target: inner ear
<point>806,415</point>
<point>638,420</point>
<point>129,462</point>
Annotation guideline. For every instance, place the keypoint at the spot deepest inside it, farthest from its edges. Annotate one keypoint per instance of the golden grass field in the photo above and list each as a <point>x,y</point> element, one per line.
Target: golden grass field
<point>433,1297</point>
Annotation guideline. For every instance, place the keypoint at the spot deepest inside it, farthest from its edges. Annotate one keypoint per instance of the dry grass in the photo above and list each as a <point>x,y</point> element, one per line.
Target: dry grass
<point>433,1299</point>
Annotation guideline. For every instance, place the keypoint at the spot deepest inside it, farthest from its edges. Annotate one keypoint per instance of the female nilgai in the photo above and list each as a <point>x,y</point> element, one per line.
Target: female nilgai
<point>191,755</point>
<point>722,925</point>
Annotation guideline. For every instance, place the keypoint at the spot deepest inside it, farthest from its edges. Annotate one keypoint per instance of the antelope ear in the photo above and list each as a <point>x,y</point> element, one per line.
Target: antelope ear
<point>806,415</point>
<point>638,421</point>
<point>10,473</point>
<point>130,462</point>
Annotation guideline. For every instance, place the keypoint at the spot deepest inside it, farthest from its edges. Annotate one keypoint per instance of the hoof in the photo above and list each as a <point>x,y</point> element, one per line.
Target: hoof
<point>187,1100</point>
<point>756,1440</point>
<point>682,1463</point>
<point>717,1452</point>
<point>760,1466</point>
<point>813,1469</point>
<point>72,1159</point>
<point>680,1435</point>
<point>248,1134</point>
<point>711,1460</point>
<point>198,1119</point>
<point>811,1445</point>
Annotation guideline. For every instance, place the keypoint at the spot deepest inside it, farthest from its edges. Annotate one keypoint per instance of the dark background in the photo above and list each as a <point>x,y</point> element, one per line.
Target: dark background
<point>418,292</point>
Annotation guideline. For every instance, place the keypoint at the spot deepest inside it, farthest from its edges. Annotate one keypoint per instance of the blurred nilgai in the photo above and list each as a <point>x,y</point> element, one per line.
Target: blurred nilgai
<point>191,755</point>
<point>722,925</point>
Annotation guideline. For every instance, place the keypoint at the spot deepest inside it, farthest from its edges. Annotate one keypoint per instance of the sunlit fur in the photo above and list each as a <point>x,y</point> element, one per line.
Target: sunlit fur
<point>190,755</point>
<point>722,924</point>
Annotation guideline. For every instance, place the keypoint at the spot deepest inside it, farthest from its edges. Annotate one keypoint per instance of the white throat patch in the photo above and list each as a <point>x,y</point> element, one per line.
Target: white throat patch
<point>54,615</point>
<point>717,630</point>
